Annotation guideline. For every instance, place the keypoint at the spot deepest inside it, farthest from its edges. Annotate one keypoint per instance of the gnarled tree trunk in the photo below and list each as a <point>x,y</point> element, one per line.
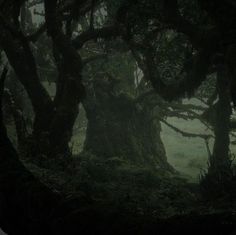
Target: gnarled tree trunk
<point>117,127</point>
<point>53,122</point>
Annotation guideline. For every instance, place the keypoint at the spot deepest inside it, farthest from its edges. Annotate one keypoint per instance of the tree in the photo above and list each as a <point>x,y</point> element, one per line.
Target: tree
<point>54,118</point>
<point>118,125</point>
<point>207,37</point>
<point>18,205</point>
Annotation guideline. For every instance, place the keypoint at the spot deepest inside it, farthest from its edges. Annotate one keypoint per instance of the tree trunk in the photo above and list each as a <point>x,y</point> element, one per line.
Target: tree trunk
<point>63,121</point>
<point>25,203</point>
<point>71,90</point>
<point>218,180</point>
<point>26,71</point>
<point>119,128</point>
<point>53,121</point>
<point>220,161</point>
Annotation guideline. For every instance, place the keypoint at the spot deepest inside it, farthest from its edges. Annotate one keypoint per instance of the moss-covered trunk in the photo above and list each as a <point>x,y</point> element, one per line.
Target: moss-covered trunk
<point>117,127</point>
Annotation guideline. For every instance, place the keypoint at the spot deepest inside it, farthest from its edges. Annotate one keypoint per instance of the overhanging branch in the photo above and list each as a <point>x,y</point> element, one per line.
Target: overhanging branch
<point>186,134</point>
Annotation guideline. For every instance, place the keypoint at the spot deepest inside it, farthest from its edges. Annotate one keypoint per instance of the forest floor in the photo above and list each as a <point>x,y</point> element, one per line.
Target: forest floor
<point>117,197</point>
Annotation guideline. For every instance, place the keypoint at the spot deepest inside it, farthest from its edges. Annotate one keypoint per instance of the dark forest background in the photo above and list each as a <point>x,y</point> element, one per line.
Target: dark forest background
<point>117,116</point>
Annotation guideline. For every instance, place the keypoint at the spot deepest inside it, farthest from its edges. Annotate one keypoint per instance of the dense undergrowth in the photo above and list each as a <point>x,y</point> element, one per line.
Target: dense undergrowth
<point>118,185</point>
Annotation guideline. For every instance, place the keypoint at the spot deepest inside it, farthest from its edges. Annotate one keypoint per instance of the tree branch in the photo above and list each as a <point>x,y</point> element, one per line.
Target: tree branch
<point>186,134</point>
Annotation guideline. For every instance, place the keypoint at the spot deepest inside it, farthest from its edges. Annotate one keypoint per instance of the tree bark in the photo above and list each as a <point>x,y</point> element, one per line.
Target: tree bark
<point>220,161</point>
<point>26,71</point>
<point>218,180</point>
<point>71,89</point>
<point>119,128</point>
<point>26,205</point>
